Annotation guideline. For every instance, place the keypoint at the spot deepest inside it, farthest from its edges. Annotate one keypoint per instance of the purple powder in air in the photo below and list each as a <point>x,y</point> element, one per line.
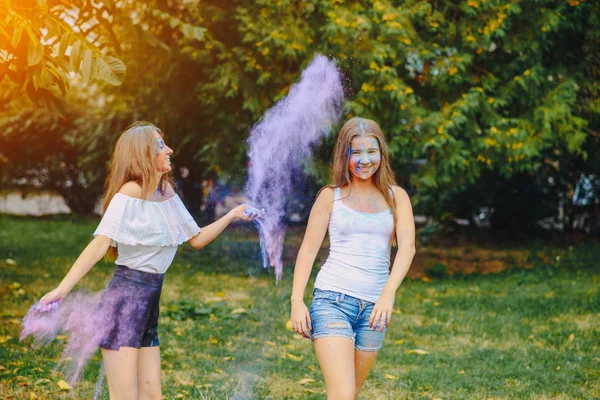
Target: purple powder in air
<point>281,141</point>
<point>86,318</point>
<point>76,317</point>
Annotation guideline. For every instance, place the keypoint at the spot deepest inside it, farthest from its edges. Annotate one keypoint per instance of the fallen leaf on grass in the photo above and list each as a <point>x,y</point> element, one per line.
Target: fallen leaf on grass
<point>61,337</point>
<point>417,351</point>
<point>571,337</point>
<point>204,386</point>
<point>220,294</point>
<point>213,340</point>
<point>295,358</point>
<point>288,325</point>
<point>4,339</point>
<point>178,331</point>
<point>305,381</point>
<point>10,261</point>
<point>311,367</point>
<point>219,370</point>
<point>238,311</point>
<point>426,279</point>
<point>33,396</point>
<point>21,381</point>
<point>462,372</point>
<point>313,391</point>
<point>391,377</point>
<point>63,385</point>
<point>399,341</point>
<point>42,381</point>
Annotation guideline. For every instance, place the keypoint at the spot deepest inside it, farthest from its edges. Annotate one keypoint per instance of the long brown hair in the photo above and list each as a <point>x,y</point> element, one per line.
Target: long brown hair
<point>383,178</point>
<point>133,160</point>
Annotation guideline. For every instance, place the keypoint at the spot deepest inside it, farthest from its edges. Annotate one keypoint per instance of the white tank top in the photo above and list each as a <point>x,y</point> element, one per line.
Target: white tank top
<point>359,252</point>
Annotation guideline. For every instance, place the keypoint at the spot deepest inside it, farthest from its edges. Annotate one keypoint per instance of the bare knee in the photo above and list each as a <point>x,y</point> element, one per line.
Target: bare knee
<point>342,394</point>
<point>149,390</point>
<point>116,394</point>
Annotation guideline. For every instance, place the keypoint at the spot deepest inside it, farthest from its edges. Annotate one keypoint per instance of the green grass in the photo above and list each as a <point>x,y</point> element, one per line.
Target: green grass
<point>519,334</point>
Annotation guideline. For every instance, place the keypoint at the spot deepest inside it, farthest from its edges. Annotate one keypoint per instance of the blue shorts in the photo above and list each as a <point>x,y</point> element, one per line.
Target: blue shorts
<point>338,314</point>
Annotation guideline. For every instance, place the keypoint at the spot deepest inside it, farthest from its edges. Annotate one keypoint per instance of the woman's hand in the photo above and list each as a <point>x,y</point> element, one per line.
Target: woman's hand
<point>245,212</point>
<point>382,312</point>
<point>301,318</point>
<point>55,295</point>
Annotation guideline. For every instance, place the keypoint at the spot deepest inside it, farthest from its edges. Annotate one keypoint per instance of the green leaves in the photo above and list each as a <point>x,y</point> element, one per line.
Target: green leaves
<point>199,32</point>
<point>86,66</point>
<point>64,43</point>
<point>74,59</point>
<point>16,37</point>
<point>110,69</point>
<point>35,52</point>
<point>37,60</point>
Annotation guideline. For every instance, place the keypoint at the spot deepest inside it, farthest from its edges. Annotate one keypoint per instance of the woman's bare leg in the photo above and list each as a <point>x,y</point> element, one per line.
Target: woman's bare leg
<point>121,368</point>
<point>363,361</point>
<point>336,358</point>
<point>149,374</point>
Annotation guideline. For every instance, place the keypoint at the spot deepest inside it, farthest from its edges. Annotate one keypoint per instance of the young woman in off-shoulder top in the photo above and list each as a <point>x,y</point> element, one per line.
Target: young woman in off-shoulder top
<point>143,223</point>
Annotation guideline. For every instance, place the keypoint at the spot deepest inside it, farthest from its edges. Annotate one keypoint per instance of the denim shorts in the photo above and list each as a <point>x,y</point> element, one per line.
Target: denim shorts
<point>338,314</point>
<point>129,309</point>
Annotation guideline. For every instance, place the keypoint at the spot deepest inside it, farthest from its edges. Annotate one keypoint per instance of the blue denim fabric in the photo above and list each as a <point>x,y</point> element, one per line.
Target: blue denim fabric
<point>338,314</point>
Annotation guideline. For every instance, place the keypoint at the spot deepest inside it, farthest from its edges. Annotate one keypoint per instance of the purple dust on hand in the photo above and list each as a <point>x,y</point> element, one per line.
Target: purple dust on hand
<point>281,141</point>
<point>48,307</point>
<point>254,211</point>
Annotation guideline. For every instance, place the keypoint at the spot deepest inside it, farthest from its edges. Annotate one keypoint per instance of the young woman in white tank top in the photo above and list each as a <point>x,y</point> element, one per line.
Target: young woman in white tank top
<point>366,213</point>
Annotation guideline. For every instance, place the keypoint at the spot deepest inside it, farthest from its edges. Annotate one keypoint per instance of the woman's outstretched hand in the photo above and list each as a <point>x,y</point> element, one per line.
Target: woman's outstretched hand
<point>245,212</point>
<point>301,318</point>
<point>52,296</point>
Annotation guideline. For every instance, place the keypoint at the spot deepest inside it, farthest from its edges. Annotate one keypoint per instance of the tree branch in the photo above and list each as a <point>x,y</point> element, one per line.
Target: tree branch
<point>591,132</point>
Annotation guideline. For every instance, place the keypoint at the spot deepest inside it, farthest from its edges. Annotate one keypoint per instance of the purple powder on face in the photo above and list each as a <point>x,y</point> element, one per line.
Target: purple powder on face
<point>281,141</point>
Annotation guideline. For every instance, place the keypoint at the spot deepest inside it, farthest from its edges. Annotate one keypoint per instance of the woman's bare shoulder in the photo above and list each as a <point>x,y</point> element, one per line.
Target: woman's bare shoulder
<point>400,194</point>
<point>132,189</point>
<point>326,193</point>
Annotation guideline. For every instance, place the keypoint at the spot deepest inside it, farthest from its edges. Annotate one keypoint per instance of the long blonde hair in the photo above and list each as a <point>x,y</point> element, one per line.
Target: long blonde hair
<point>133,160</point>
<point>384,176</point>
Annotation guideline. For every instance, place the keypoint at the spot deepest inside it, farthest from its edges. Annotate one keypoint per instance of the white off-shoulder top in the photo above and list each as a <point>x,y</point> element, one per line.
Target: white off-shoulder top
<point>147,233</point>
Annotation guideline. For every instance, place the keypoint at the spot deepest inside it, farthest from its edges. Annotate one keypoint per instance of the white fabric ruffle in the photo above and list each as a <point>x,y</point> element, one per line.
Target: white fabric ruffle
<point>132,221</point>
